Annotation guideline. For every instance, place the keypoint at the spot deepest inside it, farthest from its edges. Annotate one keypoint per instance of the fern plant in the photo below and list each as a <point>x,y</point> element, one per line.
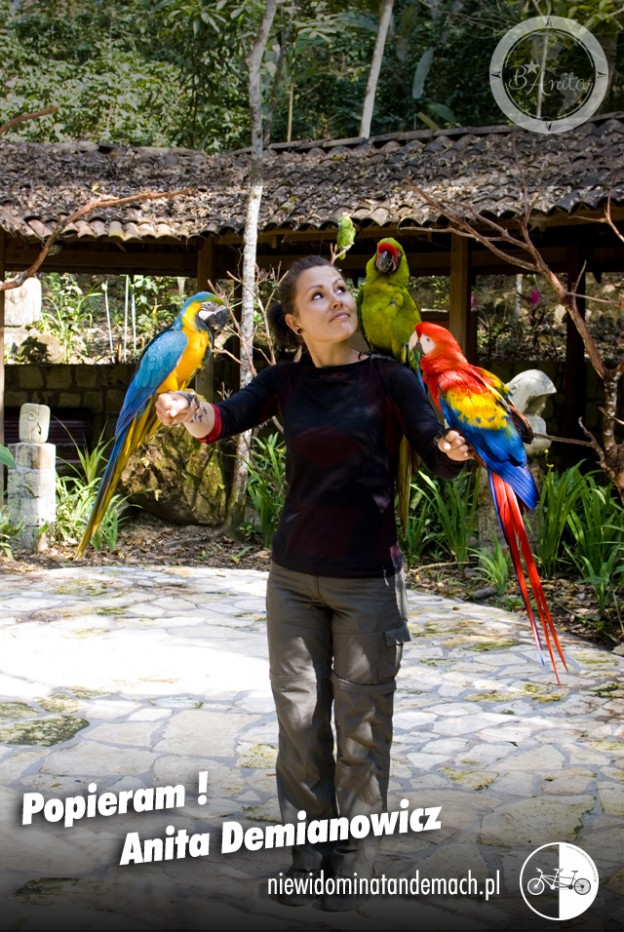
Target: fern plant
<point>8,531</point>
<point>454,511</point>
<point>266,484</point>
<point>560,495</point>
<point>597,551</point>
<point>494,566</point>
<point>75,495</point>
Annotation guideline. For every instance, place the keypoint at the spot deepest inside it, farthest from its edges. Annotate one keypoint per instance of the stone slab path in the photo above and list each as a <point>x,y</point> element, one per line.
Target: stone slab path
<point>136,716</point>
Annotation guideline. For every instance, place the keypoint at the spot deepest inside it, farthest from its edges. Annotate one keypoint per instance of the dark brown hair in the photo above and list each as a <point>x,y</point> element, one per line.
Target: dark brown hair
<point>286,305</point>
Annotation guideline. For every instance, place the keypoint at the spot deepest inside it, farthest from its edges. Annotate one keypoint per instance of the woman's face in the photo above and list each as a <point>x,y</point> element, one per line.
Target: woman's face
<point>326,310</point>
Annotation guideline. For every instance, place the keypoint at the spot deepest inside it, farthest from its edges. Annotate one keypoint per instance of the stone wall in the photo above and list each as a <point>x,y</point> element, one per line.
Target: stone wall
<point>96,390</point>
<point>174,478</point>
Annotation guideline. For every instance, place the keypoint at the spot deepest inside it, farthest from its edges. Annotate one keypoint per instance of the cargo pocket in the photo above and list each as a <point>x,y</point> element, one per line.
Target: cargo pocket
<point>391,653</point>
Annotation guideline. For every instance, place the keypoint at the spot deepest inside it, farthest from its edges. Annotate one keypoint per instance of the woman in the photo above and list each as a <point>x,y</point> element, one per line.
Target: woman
<point>336,604</point>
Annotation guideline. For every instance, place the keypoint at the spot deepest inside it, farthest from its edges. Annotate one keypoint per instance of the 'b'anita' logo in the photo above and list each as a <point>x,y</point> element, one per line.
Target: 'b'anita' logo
<point>559,881</point>
<point>549,74</point>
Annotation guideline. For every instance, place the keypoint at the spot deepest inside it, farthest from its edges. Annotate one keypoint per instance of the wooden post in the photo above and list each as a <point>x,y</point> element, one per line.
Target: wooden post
<point>460,322</point>
<point>204,380</point>
<point>205,263</point>
<point>575,370</point>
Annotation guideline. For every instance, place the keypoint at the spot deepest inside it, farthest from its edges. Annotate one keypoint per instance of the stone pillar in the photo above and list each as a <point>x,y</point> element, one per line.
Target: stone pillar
<point>32,482</point>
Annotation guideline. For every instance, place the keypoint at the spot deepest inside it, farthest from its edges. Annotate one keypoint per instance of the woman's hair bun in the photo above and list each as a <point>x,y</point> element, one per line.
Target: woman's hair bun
<point>282,333</point>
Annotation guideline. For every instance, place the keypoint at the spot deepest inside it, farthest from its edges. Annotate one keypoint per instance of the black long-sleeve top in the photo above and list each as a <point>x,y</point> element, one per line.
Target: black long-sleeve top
<point>342,429</point>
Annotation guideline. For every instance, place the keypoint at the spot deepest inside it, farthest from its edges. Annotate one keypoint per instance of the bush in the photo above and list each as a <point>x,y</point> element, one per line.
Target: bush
<point>75,495</point>
<point>443,516</point>
<point>597,551</point>
<point>266,485</point>
<point>8,531</point>
<point>579,534</point>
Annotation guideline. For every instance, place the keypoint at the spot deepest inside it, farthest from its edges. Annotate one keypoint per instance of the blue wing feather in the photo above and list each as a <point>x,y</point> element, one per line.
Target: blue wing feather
<point>157,362</point>
<point>501,450</point>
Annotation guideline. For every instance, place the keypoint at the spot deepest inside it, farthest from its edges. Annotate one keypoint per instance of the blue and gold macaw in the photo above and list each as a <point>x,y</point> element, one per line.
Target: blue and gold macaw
<point>475,402</point>
<point>168,364</point>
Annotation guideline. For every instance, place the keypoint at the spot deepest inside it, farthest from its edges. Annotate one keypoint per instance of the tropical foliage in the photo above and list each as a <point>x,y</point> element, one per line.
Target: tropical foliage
<point>75,496</point>
<point>577,530</point>
<point>172,72</point>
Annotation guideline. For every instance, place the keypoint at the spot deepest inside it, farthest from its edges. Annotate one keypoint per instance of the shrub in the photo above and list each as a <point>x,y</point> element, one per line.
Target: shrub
<point>75,495</point>
<point>266,485</point>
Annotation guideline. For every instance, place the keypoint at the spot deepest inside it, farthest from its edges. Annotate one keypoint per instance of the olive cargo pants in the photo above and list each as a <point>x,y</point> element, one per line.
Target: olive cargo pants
<point>337,640</point>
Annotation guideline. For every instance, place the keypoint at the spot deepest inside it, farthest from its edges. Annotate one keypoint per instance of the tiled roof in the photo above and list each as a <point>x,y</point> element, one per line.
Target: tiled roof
<point>310,185</point>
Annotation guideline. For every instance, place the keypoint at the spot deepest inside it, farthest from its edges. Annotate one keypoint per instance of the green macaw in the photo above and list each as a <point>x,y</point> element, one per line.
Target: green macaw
<point>388,315</point>
<point>386,310</point>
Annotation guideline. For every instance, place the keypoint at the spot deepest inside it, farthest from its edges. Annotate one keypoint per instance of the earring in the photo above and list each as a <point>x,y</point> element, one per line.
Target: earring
<point>299,330</point>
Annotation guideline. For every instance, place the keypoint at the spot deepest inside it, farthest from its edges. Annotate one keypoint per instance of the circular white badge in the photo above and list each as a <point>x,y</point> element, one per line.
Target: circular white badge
<point>549,74</point>
<point>559,881</point>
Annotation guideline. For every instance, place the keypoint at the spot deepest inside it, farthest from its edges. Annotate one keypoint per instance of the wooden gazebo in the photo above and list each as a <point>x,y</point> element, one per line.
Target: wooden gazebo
<point>569,178</point>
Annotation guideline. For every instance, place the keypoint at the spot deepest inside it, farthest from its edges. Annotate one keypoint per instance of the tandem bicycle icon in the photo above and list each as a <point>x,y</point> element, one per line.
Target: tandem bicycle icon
<point>559,881</point>
<point>556,881</point>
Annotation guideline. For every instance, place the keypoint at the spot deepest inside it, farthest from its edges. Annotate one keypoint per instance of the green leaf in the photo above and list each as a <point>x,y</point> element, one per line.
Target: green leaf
<point>6,458</point>
<point>443,111</point>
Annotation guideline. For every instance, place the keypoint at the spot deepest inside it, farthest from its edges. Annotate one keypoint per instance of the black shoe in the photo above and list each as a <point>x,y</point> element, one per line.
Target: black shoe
<point>295,887</point>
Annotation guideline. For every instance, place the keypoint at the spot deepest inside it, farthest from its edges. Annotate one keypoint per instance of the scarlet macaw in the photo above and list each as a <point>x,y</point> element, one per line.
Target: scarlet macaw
<point>388,314</point>
<point>475,402</point>
<point>168,364</point>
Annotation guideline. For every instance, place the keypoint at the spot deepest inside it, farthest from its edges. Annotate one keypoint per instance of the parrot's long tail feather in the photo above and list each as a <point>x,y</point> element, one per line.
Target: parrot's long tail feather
<point>125,444</point>
<point>512,524</point>
<point>404,479</point>
<point>106,490</point>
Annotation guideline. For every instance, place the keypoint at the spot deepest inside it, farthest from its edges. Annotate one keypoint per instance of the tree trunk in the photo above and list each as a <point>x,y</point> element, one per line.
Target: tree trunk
<point>236,506</point>
<point>385,15</point>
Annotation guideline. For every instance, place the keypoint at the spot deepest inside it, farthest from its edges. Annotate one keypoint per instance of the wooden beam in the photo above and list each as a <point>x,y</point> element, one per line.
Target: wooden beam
<point>432,259</point>
<point>460,323</point>
<point>134,259</point>
<point>428,253</point>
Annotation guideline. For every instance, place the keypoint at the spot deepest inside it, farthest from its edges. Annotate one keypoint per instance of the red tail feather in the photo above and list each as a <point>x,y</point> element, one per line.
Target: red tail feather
<point>514,530</point>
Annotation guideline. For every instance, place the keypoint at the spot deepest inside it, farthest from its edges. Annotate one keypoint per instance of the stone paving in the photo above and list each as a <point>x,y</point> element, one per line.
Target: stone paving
<point>146,690</point>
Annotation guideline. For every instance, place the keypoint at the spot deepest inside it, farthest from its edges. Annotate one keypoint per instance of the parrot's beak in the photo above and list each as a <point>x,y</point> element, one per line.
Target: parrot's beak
<point>213,316</point>
<point>385,262</point>
<point>414,344</point>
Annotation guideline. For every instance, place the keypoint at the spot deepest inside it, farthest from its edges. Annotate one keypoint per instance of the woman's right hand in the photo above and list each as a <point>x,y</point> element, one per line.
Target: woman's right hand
<point>186,408</point>
<point>172,408</point>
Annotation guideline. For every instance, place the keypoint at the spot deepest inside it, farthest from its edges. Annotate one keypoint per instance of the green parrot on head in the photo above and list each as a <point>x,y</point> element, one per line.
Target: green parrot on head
<point>345,238</point>
<point>388,315</point>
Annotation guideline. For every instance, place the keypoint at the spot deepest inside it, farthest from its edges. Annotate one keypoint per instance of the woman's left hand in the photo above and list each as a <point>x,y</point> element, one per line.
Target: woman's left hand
<point>454,445</point>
